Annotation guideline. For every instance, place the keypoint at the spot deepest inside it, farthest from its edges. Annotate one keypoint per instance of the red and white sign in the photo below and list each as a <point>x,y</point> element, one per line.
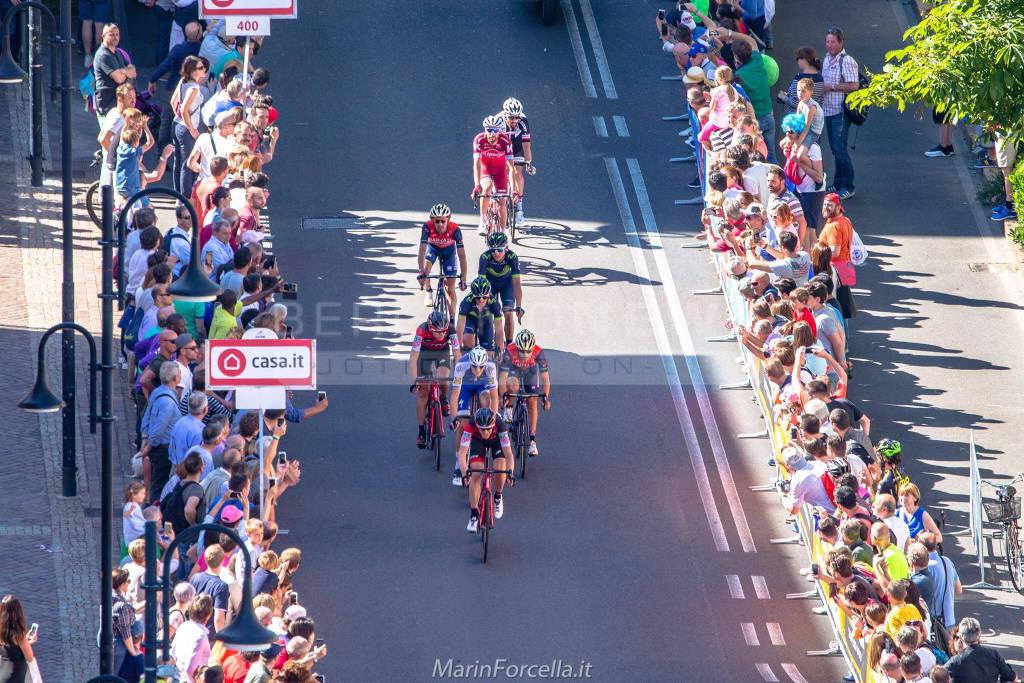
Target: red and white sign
<point>248,26</point>
<point>285,363</point>
<point>278,9</point>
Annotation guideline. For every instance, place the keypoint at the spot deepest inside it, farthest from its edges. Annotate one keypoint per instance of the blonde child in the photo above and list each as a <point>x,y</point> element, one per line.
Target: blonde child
<point>811,112</point>
<point>723,95</point>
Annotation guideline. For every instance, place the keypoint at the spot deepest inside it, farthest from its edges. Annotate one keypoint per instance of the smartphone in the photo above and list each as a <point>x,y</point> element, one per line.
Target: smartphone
<point>168,527</point>
<point>209,258</point>
<point>792,432</point>
<point>280,422</point>
<point>292,598</point>
<point>664,29</point>
<point>319,642</point>
<point>321,396</point>
<point>288,331</point>
<point>271,482</point>
<point>319,678</point>
<point>282,458</point>
<point>814,569</point>
<point>33,631</point>
<point>661,15</point>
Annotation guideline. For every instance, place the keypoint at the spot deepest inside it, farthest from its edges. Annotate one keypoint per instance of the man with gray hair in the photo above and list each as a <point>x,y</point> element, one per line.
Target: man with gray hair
<point>976,663</point>
<point>157,424</point>
<point>188,431</point>
<point>219,247</point>
<point>806,485</point>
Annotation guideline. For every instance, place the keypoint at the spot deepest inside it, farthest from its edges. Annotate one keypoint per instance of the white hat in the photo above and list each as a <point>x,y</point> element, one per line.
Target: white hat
<point>686,19</point>
<point>695,74</point>
<point>295,612</point>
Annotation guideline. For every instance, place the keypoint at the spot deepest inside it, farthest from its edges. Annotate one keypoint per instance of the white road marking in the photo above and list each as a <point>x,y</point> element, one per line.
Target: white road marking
<point>749,634</point>
<point>760,587</point>
<point>600,127</point>
<point>766,673</point>
<point>600,58</point>
<point>735,587</point>
<point>582,63</point>
<point>690,354</point>
<point>775,633</point>
<point>794,673</point>
<point>620,126</point>
<point>700,473</point>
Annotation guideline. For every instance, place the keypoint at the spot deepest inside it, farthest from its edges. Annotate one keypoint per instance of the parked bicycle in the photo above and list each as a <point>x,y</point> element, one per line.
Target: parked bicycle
<point>92,194</point>
<point>1005,511</point>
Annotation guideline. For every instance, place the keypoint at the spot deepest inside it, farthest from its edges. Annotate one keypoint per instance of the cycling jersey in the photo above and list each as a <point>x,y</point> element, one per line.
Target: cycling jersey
<point>516,362</point>
<point>478,444</point>
<point>518,135</point>
<point>424,339</point>
<point>499,273</point>
<point>441,241</point>
<point>494,155</point>
<point>468,309</point>
<point>468,385</point>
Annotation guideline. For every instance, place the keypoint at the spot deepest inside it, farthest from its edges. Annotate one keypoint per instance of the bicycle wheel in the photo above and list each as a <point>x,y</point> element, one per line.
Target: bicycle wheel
<point>485,520</point>
<point>436,435</point>
<point>510,211</point>
<point>523,438</point>
<point>92,203</point>
<point>1011,544</point>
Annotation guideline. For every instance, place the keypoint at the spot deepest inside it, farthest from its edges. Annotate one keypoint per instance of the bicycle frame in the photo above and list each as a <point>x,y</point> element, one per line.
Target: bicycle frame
<point>441,302</point>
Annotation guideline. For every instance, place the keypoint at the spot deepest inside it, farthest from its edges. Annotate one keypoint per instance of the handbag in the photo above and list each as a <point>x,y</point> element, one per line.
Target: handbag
<point>858,252</point>
<point>846,271</point>
<point>844,295</point>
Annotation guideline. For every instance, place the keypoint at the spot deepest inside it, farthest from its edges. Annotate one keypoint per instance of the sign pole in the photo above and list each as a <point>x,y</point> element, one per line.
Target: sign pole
<point>263,510</point>
<point>245,67</point>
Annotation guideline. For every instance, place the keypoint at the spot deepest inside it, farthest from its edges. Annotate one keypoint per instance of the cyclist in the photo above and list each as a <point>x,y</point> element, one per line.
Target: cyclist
<point>441,238</point>
<point>480,318</point>
<point>524,366</point>
<point>500,266</point>
<point>433,345</point>
<point>492,169</point>
<point>486,433</point>
<point>475,375</point>
<point>514,124</point>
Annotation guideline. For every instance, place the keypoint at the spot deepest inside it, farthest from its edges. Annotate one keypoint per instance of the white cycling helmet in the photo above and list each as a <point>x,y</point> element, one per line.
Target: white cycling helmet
<point>512,107</point>
<point>440,210</point>
<point>492,122</point>
<point>478,357</point>
<point>525,341</point>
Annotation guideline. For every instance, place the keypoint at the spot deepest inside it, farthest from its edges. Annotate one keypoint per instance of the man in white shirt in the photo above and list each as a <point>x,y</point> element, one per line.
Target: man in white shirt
<point>149,241</point>
<point>216,143</point>
<point>885,510</point>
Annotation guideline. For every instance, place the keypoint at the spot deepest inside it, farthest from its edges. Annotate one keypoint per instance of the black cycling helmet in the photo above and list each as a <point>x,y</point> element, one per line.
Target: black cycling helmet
<point>437,321</point>
<point>480,286</point>
<point>497,240</point>
<point>484,418</point>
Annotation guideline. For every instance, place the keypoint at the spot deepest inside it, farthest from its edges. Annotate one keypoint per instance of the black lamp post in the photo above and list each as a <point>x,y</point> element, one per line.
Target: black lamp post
<point>41,399</point>
<point>245,633</point>
<point>192,285</point>
<point>11,73</point>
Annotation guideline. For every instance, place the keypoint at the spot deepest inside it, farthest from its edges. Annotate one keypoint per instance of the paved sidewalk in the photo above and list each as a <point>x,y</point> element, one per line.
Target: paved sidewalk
<point>50,544</point>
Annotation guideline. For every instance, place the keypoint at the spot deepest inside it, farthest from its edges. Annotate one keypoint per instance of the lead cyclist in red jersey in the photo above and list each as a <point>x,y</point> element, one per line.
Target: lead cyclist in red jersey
<point>441,238</point>
<point>514,124</point>
<point>492,168</point>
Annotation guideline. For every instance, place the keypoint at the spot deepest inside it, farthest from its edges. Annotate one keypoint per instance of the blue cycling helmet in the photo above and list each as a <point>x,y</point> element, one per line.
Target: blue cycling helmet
<point>793,123</point>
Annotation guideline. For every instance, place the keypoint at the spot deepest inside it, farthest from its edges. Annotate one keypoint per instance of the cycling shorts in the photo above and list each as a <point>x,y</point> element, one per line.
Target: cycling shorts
<point>466,394</point>
<point>449,265</point>
<point>505,295</point>
<point>478,451</point>
<point>529,378</point>
<point>429,361</point>
<point>499,178</point>
<point>483,328</point>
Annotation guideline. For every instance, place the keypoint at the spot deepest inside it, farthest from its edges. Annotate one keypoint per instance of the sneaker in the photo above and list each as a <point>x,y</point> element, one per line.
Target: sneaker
<point>446,409</point>
<point>846,194</point>
<point>520,217</point>
<point>1005,212</point>
<point>985,163</point>
<point>830,188</point>
<point>687,131</point>
<point>695,183</point>
<point>940,151</point>
<point>998,207</point>
<point>532,449</point>
<point>87,61</point>
<point>473,521</point>
<point>421,439</point>
<point>428,299</point>
<point>457,478</point>
<point>506,415</point>
<point>482,230</point>
<point>499,506</point>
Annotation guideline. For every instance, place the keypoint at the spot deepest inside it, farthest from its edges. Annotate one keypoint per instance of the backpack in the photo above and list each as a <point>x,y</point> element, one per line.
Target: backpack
<point>857,117</point>
<point>131,332</point>
<point>172,507</point>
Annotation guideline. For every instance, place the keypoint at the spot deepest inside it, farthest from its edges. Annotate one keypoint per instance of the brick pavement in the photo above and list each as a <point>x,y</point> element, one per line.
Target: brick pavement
<point>50,544</point>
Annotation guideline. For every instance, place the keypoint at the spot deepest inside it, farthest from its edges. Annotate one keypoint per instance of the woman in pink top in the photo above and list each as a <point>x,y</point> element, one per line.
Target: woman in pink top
<point>722,97</point>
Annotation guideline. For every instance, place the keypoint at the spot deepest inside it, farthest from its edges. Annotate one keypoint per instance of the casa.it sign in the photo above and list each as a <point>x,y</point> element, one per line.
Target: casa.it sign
<point>275,9</point>
<point>287,363</point>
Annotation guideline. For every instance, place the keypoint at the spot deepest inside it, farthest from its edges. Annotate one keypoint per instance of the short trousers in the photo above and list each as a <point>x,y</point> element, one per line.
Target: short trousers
<point>945,118</point>
<point>506,295</point>
<point>500,180</point>
<point>483,328</point>
<point>94,10</point>
<point>811,138</point>
<point>449,265</point>
<point>478,451</point>
<point>529,379</point>
<point>1006,153</point>
<point>466,394</point>
<point>429,361</point>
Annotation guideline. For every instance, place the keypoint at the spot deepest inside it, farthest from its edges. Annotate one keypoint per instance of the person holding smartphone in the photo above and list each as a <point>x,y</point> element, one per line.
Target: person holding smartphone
<point>17,639</point>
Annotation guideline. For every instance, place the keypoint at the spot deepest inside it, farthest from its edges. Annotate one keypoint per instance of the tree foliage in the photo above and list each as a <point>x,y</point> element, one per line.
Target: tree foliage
<point>965,57</point>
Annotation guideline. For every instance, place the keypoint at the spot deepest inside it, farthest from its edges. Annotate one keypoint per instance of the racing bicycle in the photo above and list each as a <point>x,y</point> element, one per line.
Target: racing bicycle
<point>519,428</point>
<point>441,302</point>
<point>435,416</point>
<point>485,508</point>
<point>1005,511</point>
<point>492,218</point>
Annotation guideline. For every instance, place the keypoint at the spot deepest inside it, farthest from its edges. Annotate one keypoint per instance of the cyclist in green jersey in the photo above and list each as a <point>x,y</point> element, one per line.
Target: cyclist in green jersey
<point>479,322</point>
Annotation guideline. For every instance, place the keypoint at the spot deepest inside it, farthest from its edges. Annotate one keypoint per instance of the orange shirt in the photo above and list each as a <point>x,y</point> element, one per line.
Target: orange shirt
<point>838,234</point>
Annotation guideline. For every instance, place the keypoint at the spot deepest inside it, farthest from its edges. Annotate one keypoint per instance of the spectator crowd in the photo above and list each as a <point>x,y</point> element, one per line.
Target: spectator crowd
<point>780,232</point>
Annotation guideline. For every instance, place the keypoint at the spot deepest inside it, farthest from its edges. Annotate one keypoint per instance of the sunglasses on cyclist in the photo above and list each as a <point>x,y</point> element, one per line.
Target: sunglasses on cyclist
<point>499,251</point>
<point>492,131</point>
<point>442,221</point>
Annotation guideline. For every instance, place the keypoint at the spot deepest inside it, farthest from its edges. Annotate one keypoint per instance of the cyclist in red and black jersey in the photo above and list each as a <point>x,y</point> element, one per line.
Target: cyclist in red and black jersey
<point>514,124</point>
<point>441,238</point>
<point>523,365</point>
<point>432,347</point>
<point>485,433</point>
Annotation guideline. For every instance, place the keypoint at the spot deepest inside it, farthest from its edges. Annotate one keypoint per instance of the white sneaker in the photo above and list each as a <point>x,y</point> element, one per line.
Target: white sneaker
<point>532,450</point>
<point>428,299</point>
<point>471,527</point>
<point>520,218</point>
<point>87,61</point>
<point>506,416</point>
<point>456,478</point>
<point>482,230</point>
<point>499,507</point>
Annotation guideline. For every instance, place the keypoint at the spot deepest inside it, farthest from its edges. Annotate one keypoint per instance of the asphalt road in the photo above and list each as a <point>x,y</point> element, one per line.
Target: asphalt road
<point>634,544</point>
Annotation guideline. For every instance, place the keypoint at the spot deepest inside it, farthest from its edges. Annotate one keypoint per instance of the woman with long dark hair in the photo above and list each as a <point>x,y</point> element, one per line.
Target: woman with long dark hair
<point>186,102</point>
<point>16,656</point>
<point>808,66</point>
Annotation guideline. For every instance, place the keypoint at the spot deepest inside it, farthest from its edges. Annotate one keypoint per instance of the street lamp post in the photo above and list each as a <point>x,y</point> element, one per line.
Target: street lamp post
<point>245,633</point>
<point>11,73</point>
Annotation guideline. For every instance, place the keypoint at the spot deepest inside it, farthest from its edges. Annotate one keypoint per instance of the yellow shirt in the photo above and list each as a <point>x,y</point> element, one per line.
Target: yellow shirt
<point>223,321</point>
<point>900,615</point>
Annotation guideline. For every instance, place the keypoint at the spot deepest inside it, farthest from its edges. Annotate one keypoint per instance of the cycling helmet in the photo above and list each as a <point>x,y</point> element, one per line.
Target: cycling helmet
<point>525,340</point>
<point>437,321</point>
<point>492,122</point>
<point>480,286</point>
<point>478,357</point>
<point>484,418</point>
<point>512,107</point>
<point>889,449</point>
<point>793,123</point>
<point>837,467</point>
<point>440,210</point>
<point>497,240</point>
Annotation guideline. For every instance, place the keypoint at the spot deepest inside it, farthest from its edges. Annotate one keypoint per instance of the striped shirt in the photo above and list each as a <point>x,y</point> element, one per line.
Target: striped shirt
<point>839,69</point>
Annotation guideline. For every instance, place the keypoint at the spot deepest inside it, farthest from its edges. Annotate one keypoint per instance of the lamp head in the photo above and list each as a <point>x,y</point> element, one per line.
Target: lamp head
<point>41,399</point>
<point>193,285</point>
<point>246,634</point>
<point>10,72</point>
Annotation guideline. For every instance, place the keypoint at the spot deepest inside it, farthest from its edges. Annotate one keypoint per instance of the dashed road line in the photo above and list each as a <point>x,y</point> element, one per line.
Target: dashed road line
<point>690,354</point>
<point>794,673</point>
<point>600,58</point>
<point>735,587</point>
<point>760,587</point>
<point>775,633</point>
<point>620,126</point>
<point>749,634</point>
<point>766,673</point>
<point>582,63</point>
<point>600,127</point>
<point>700,473</point>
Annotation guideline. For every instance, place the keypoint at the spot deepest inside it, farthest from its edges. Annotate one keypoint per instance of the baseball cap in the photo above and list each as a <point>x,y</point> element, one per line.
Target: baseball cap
<point>737,266</point>
<point>794,459</point>
<point>754,209</point>
<point>182,341</point>
<point>224,115</point>
<point>230,514</point>
<point>695,74</point>
<point>250,236</point>
<point>698,47</point>
<point>818,409</point>
<point>686,19</point>
<point>295,612</point>
<point>746,287</point>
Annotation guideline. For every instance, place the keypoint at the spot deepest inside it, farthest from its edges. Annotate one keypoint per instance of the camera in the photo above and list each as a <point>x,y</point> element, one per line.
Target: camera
<point>290,290</point>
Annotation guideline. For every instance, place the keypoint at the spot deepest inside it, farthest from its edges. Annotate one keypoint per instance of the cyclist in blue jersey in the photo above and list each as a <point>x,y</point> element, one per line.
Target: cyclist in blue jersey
<point>480,316</point>
<point>475,375</point>
<point>500,266</point>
